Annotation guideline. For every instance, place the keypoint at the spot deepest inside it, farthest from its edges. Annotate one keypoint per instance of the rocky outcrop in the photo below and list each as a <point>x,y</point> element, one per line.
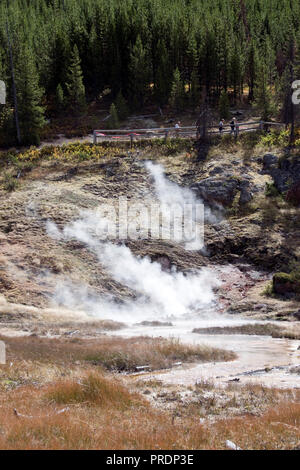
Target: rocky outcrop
<point>285,174</point>
<point>293,194</point>
<point>218,190</point>
<point>246,195</point>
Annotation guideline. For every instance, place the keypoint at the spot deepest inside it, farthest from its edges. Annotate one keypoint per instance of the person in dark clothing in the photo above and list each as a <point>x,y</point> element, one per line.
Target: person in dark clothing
<point>232,125</point>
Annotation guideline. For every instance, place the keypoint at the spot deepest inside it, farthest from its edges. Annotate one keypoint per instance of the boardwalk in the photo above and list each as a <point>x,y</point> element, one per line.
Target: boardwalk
<point>172,132</point>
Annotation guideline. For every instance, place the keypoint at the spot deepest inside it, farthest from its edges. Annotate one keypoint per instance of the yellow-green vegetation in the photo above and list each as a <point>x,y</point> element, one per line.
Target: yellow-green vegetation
<point>10,183</point>
<point>281,138</point>
<point>75,152</point>
<point>82,151</point>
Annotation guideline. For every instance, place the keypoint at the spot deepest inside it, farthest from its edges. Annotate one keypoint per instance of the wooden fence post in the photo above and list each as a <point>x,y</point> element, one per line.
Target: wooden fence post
<point>131,141</point>
<point>166,136</point>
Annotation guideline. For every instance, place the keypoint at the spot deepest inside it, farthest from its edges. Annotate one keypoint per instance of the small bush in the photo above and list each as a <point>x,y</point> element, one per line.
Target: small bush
<point>93,390</point>
<point>268,291</point>
<point>271,190</point>
<point>284,283</point>
<point>275,138</point>
<point>10,183</point>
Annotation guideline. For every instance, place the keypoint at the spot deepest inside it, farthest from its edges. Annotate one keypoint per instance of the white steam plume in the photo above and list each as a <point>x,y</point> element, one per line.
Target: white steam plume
<point>160,294</point>
<point>171,194</point>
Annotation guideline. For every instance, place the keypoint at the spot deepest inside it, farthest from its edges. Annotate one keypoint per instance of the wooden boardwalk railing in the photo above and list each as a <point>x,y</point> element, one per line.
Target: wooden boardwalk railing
<point>173,132</point>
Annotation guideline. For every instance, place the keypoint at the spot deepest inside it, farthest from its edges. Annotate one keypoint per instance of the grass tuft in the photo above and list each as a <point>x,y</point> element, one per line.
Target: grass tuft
<point>95,389</point>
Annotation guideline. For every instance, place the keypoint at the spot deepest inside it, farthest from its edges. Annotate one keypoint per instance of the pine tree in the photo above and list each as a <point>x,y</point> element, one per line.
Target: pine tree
<point>162,74</point>
<point>74,84</point>
<point>139,75</point>
<point>121,106</point>
<point>288,111</point>
<point>251,68</point>
<point>136,45</point>
<point>195,91</point>
<point>59,53</point>
<point>224,106</point>
<point>236,71</point>
<point>177,92</point>
<point>60,98</point>
<point>7,127</point>
<point>264,101</point>
<point>113,122</point>
<point>192,60</point>
<point>29,93</point>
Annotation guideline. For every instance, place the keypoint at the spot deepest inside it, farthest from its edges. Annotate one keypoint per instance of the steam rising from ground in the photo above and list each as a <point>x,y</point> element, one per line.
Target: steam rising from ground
<point>159,294</point>
<point>170,193</point>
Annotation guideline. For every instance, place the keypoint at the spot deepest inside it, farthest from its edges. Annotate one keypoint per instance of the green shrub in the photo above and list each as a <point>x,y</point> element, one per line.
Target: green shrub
<point>10,183</point>
<point>275,138</point>
<point>271,190</point>
<point>286,283</point>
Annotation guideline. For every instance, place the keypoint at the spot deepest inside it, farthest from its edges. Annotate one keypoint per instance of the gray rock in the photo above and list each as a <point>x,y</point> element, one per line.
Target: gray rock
<point>269,160</point>
<point>246,196</point>
<point>286,175</point>
<point>216,171</point>
<point>282,179</point>
<point>216,190</point>
<point>297,316</point>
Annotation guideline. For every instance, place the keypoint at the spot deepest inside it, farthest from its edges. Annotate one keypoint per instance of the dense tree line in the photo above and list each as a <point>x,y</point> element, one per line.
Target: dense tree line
<point>68,52</point>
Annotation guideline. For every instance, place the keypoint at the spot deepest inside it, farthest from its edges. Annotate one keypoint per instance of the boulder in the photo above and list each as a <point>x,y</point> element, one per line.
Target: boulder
<point>216,190</point>
<point>246,196</point>
<point>223,190</point>
<point>293,194</point>
<point>297,316</point>
<point>281,178</point>
<point>285,174</point>
<point>269,160</point>
<point>246,191</point>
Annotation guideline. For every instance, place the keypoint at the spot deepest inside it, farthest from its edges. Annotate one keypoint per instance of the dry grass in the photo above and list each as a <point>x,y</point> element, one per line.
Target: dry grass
<point>102,414</point>
<point>95,389</point>
<point>100,411</point>
<point>112,353</point>
<point>157,353</point>
<point>267,329</point>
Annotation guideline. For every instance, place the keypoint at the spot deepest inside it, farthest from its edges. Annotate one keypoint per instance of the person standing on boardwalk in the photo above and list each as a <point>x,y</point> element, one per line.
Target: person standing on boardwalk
<point>232,125</point>
<point>221,125</point>
<point>177,127</point>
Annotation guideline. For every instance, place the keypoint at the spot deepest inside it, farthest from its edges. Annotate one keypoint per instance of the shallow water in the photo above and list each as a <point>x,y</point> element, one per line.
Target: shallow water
<point>255,354</point>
